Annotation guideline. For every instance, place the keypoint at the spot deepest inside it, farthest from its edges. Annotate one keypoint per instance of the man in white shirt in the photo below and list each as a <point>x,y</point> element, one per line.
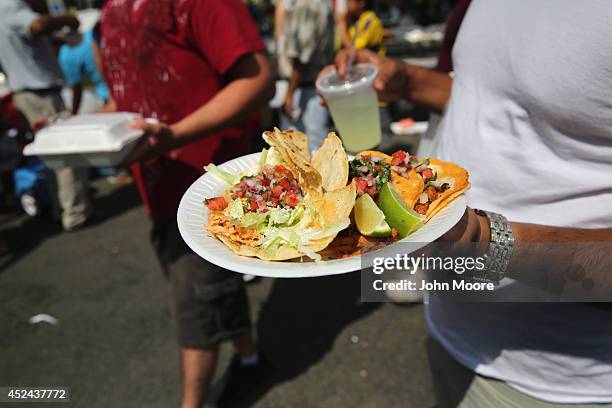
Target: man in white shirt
<point>36,79</point>
<point>530,117</point>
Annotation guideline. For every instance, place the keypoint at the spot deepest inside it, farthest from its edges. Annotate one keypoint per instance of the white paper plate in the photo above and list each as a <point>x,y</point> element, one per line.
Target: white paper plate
<point>192,217</point>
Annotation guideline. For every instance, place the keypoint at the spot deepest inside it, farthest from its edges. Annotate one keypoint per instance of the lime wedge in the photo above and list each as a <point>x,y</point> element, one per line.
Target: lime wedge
<point>369,219</point>
<point>399,216</point>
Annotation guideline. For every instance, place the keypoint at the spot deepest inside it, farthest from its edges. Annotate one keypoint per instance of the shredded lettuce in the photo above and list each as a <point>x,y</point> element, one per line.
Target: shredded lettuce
<point>234,210</point>
<point>254,220</point>
<point>296,215</point>
<point>263,158</point>
<point>268,157</point>
<point>279,216</point>
<point>299,236</point>
<point>223,175</point>
<point>273,157</point>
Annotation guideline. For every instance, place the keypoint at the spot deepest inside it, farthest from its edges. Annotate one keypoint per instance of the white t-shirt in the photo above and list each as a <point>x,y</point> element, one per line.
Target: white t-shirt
<point>530,117</point>
<point>29,62</point>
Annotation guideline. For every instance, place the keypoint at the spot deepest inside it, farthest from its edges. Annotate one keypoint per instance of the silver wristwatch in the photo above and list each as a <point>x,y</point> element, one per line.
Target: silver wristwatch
<point>498,255</point>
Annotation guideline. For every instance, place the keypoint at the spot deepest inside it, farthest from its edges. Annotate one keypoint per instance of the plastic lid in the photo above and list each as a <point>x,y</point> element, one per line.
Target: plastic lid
<point>360,75</point>
<point>100,132</point>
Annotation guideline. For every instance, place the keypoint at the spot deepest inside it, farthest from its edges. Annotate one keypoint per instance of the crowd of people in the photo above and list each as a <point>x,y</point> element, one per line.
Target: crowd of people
<point>524,111</point>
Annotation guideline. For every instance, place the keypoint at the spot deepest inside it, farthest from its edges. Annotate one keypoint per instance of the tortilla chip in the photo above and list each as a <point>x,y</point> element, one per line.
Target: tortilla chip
<point>338,204</point>
<point>331,162</point>
<point>293,154</point>
<point>300,140</point>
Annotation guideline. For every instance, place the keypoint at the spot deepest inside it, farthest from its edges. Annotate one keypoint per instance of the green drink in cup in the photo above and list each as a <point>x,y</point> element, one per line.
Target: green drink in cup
<point>353,104</point>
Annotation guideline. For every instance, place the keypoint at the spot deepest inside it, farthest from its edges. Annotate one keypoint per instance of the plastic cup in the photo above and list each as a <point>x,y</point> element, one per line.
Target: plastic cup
<point>353,104</point>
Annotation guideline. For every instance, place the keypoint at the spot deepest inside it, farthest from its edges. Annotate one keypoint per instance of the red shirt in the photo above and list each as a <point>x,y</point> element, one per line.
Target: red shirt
<point>165,59</point>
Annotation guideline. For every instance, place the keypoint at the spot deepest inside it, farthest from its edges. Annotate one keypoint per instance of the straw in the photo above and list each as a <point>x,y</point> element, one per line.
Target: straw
<point>351,58</point>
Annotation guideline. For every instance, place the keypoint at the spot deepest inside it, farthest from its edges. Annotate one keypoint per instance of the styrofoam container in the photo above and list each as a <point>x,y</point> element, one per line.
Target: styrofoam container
<point>95,140</point>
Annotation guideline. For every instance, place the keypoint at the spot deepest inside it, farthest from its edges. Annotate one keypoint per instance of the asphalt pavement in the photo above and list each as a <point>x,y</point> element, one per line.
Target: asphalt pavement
<point>114,342</point>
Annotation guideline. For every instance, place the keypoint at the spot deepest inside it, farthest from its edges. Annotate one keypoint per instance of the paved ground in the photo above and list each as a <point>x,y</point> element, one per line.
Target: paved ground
<point>114,345</point>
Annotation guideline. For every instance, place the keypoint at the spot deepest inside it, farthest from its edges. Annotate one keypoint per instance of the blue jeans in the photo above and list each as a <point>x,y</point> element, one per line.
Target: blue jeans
<point>311,118</point>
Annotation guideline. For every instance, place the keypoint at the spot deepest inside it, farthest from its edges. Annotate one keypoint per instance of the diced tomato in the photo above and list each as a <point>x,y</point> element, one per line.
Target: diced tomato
<point>291,199</point>
<point>398,158</point>
<point>277,190</point>
<point>400,154</point>
<point>362,185</point>
<point>427,174</point>
<point>283,182</point>
<point>282,171</point>
<point>253,205</point>
<point>274,201</point>
<point>216,204</point>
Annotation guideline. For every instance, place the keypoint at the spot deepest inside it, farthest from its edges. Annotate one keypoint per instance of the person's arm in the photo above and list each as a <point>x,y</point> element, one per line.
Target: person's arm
<point>111,106</point>
<point>345,39</point>
<point>250,86</point>
<point>294,83</point>
<point>398,80</point>
<point>44,25</point>
<point>77,94</point>
<point>279,17</point>
<point>548,257</point>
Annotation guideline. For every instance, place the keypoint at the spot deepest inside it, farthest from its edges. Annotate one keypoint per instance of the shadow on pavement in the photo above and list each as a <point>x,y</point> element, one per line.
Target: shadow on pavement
<point>300,321</point>
<point>25,235</point>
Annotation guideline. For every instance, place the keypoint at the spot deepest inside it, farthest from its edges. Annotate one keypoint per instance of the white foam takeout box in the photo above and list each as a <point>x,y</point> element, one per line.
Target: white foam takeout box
<point>94,140</point>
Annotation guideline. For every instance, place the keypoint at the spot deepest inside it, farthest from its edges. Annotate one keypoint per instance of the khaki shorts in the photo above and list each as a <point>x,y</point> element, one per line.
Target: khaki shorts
<point>457,386</point>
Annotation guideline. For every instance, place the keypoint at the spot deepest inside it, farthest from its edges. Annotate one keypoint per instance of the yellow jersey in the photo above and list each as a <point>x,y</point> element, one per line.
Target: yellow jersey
<point>369,34</point>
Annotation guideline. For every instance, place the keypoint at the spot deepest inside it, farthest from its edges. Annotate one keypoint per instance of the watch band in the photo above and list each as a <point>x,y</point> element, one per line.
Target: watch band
<point>499,253</point>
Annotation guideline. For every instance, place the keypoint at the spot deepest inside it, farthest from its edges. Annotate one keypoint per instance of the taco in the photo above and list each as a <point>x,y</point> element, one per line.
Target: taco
<point>287,205</point>
<point>426,185</point>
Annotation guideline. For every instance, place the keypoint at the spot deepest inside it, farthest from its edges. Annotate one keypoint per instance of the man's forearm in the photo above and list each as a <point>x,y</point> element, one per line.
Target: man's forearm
<point>48,24</point>
<point>251,87</point>
<point>77,94</point>
<point>427,88</point>
<point>572,262</point>
<point>294,79</point>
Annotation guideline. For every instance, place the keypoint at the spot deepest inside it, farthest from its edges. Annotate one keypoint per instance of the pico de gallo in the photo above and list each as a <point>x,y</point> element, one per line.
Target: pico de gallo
<point>370,174</point>
<point>402,162</point>
<point>274,187</point>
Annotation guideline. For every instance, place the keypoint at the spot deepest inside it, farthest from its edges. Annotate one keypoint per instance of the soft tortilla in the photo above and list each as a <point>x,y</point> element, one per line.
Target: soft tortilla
<point>443,204</point>
<point>331,161</point>
<point>458,179</point>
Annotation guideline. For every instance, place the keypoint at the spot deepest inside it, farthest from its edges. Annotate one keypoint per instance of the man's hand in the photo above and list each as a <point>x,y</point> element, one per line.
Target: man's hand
<point>398,80</point>
<point>470,228</point>
<point>158,138</point>
<point>392,82</point>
